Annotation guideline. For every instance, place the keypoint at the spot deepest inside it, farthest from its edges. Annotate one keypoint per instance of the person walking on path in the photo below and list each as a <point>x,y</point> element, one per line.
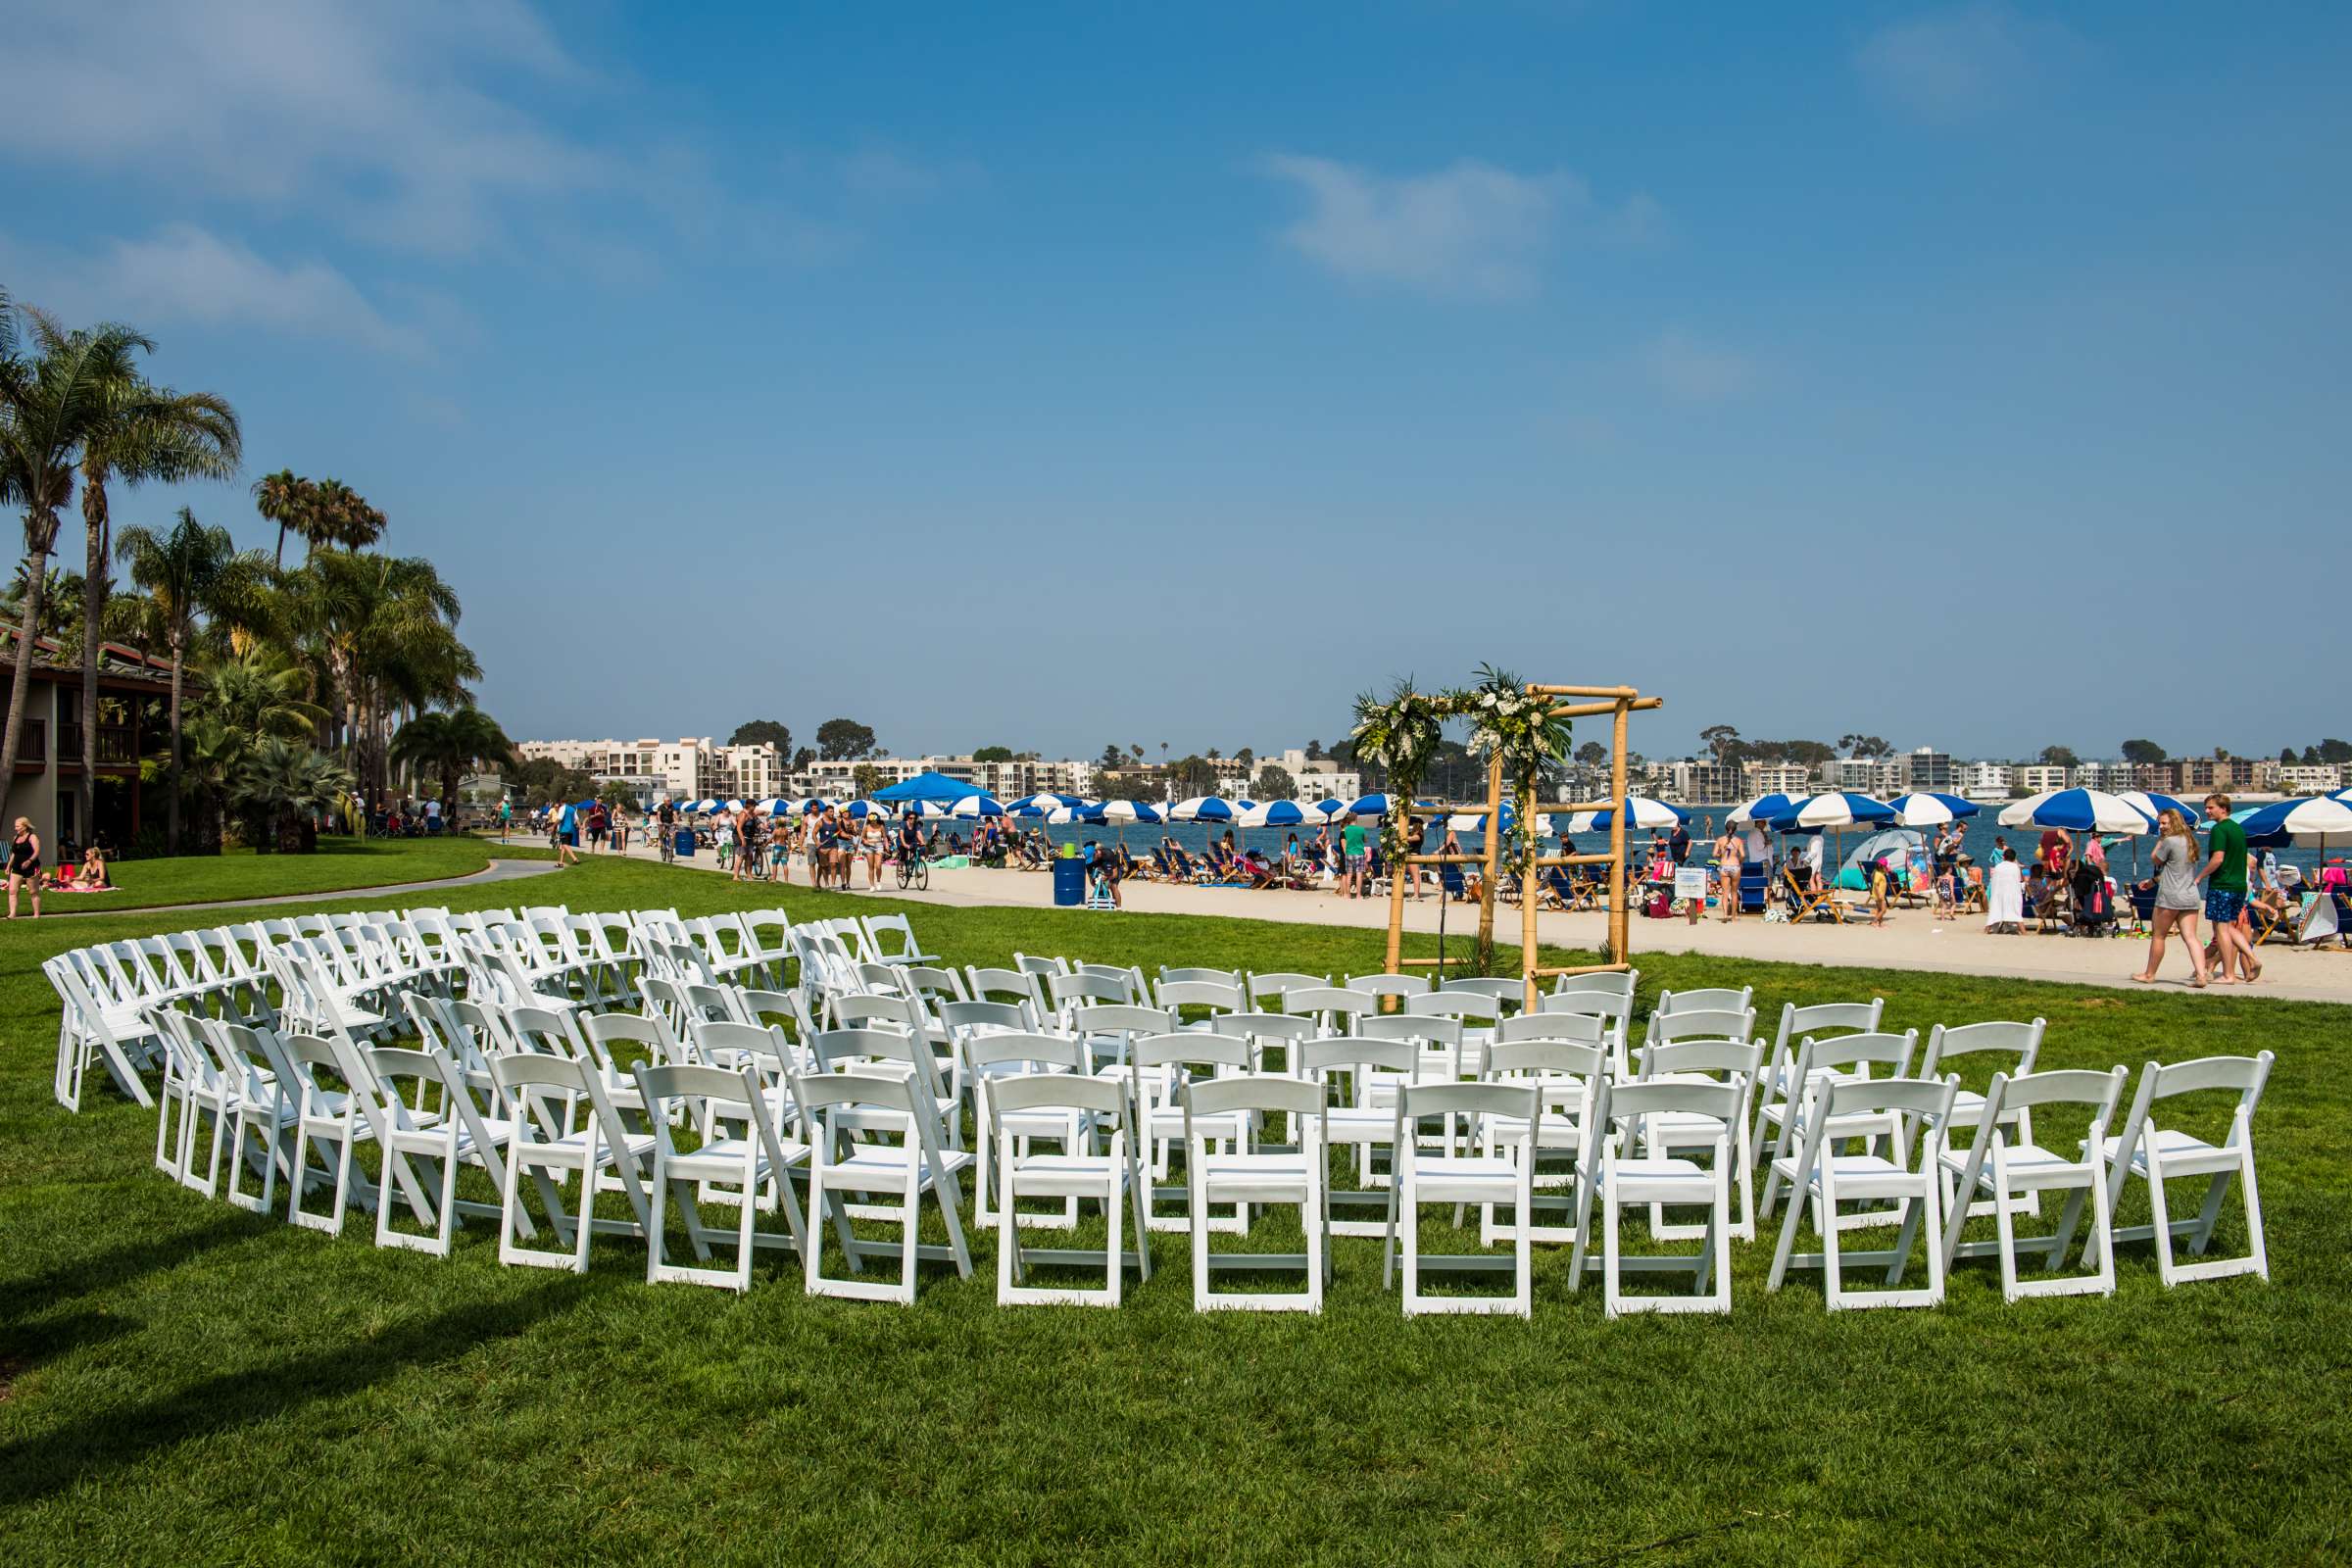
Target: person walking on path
<point>505,817</point>
<point>2226,893</point>
<point>567,834</point>
<point>1352,844</point>
<point>2177,874</point>
<point>25,865</point>
<point>1728,862</point>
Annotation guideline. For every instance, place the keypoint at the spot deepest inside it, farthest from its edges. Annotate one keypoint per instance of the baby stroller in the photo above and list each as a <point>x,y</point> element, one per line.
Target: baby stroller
<point>2094,902</point>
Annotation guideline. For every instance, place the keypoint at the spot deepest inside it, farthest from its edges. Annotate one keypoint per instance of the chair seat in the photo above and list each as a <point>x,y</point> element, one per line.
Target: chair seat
<point>1464,1178</point>
<point>1659,1178</point>
<point>1279,1178</point>
<point>1858,1176</point>
<point>721,1159</point>
<point>1065,1175</point>
<point>2183,1154</point>
<point>2030,1166</point>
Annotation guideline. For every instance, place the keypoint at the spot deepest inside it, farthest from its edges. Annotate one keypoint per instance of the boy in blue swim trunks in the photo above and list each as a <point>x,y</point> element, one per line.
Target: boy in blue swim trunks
<point>2225,895</point>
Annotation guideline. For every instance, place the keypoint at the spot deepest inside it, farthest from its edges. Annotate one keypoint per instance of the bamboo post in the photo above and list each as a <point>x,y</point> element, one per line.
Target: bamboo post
<point>1620,932</point>
<point>1396,876</point>
<point>1493,844</point>
<point>1527,923</point>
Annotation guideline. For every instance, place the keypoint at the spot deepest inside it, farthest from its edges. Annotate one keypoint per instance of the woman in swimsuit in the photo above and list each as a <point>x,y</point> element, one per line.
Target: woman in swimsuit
<point>24,867</point>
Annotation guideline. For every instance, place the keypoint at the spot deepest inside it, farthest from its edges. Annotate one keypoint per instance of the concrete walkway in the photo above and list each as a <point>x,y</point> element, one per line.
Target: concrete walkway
<point>1910,940</point>
<point>495,871</point>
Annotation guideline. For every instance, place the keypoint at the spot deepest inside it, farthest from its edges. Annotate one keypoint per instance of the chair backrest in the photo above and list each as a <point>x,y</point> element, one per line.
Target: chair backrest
<point>1618,984</point>
<point>1100,1098</point>
<point>930,980</point>
<point>1339,1053</point>
<point>1628,1103</point>
<point>1577,1028</point>
<point>1843,1053</point>
<point>1275,984</point>
<point>1455,1004</point>
<point>1547,1058</point>
<point>858,1010</point>
<point>881,978</point>
<point>1427,1030</point>
<point>1222,977</point>
<point>541,1029</point>
<point>996,985</point>
<point>2102,1092</point>
<point>1389,985</point>
<point>1736,999</point>
<point>1284,1026</point>
<point>748,1043</point>
<point>610,1034</point>
<point>1736,1058</point>
<point>2022,1041</point>
<point>966,1018</point>
<point>1473,1099</point>
<point>1033,1052</point>
<point>1496,987</point>
<point>1702,1023</point>
<point>1189,1048</point>
<point>1826,1018</point>
<point>1211,993</point>
<point>1066,991</point>
<point>1339,1007</point>
<point>1040,967</point>
<point>1250,1092</point>
<point>1918,1097</point>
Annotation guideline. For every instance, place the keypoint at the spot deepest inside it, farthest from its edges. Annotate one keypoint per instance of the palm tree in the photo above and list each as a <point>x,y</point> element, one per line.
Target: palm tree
<point>449,744</point>
<point>51,405</point>
<point>285,497</point>
<point>184,574</point>
<point>140,432</point>
<point>260,691</point>
<point>282,788</point>
<point>383,631</point>
<point>339,516</point>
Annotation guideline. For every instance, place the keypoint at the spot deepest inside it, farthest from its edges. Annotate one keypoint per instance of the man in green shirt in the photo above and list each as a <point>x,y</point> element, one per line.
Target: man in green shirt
<point>2226,893</point>
<point>1351,840</point>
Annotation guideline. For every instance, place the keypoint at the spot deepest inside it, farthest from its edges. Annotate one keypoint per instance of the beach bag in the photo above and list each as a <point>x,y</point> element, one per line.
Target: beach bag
<point>1661,905</point>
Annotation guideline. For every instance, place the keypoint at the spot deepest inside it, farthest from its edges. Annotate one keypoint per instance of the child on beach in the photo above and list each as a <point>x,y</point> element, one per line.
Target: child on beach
<point>1880,880</point>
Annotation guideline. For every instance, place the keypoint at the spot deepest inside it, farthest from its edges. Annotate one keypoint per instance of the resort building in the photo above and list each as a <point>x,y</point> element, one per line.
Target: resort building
<point>684,769</point>
<point>1881,777</point>
<point>134,693</point>
<point>1770,778</point>
<point>1932,770</point>
<point>2309,778</point>
<point>1985,781</point>
<point>2037,778</point>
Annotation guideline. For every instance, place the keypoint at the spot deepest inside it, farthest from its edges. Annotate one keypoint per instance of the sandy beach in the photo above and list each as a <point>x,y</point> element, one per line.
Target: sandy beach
<point>1910,940</point>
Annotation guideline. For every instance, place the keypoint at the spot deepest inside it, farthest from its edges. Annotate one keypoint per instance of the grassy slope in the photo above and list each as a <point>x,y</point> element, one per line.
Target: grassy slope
<point>186,1374</point>
<point>340,863</point>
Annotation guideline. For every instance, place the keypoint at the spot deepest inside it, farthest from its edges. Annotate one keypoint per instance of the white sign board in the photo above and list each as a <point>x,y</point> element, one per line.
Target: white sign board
<point>1690,882</point>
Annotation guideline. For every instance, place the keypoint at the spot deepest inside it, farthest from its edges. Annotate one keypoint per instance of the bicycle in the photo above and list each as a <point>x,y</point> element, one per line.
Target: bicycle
<point>915,873</point>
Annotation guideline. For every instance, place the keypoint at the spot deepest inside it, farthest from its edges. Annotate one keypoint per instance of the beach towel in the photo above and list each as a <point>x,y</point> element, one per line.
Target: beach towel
<point>2004,895</point>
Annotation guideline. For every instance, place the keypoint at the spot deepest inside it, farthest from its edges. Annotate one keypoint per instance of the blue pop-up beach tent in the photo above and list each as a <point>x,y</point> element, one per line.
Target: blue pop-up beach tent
<point>927,787</point>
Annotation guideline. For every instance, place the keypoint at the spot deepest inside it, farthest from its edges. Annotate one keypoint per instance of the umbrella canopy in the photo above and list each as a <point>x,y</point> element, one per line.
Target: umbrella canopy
<point>1129,812</point>
<point>1332,807</point>
<point>1838,808</point>
<point>1369,806</point>
<point>929,787</point>
<point>2078,812</point>
<point>1929,808</point>
<point>707,807</point>
<point>927,809</point>
<point>769,808</point>
<point>1043,802</point>
<point>867,809</point>
<point>1764,808</point>
<point>2155,804</point>
<point>975,805</point>
<point>808,806</point>
<point>1281,813</point>
<point>1641,811</point>
<point>2306,823</point>
<point>1206,809</point>
<point>732,806</point>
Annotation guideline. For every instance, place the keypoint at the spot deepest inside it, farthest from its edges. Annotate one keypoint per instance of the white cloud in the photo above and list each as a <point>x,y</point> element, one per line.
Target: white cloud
<point>396,120</point>
<point>1949,67</point>
<point>183,273</point>
<point>1688,369</point>
<point>1469,228</point>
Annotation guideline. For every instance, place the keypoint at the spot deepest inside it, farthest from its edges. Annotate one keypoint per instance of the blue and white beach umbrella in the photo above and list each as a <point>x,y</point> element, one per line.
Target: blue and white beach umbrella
<point>2156,804</point>
<point>1206,809</point>
<point>865,809</point>
<point>1043,802</point>
<point>732,807</point>
<point>2317,821</point>
<point>1837,808</point>
<point>808,806</point>
<point>1641,811</point>
<point>976,806</point>
<point>1929,808</point>
<point>769,808</point>
<point>1332,807</point>
<point>925,808</point>
<point>2077,812</point>
<point>1764,808</point>
<point>707,807</point>
<point>1280,813</point>
<point>1369,806</point>
<point>1123,811</point>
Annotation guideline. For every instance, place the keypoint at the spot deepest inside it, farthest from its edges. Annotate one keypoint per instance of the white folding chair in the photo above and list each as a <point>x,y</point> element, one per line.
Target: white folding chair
<point>1363,1077</point>
<point>1494,1173</point>
<point>1159,1066</point>
<point>842,1163</point>
<point>893,941</point>
<point>2009,1167</point>
<point>1084,1109</point>
<point>739,1148</point>
<point>436,1121</point>
<point>1819,1173</point>
<point>541,1095</point>
<point>1562,1059</point>
<point>1219,1170</point>
<point>1010,1056</point>
<point>1732,1064</point>
<point>1824,1020</point>
<point>2158,1155</point>
<point>2021,1044</point>
<point>1657,1122</point>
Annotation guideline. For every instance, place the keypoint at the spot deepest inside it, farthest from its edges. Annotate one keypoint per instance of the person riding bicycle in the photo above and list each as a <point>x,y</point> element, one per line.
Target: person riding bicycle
<point>910,839</point>
<point>667,816</point>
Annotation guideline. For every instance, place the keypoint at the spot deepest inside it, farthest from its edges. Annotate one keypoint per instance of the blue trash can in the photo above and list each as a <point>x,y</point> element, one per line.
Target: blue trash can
<point>1069,883</point>
<point>683,844</point>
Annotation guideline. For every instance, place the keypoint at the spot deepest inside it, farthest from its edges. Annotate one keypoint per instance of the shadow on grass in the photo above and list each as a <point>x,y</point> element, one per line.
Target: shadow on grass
<point>23,1299</point>
<point>118,1438</point>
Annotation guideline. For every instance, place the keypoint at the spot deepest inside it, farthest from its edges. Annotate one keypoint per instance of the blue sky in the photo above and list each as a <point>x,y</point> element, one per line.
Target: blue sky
<point>1059,374</point>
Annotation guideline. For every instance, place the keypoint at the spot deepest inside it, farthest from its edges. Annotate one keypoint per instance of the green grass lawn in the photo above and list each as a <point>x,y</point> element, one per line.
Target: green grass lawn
<point>339,864</point>
<point>180,1380</point>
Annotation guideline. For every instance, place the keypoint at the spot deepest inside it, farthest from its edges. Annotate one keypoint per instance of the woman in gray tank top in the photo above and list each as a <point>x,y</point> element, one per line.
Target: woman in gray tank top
<point>2180,867</point>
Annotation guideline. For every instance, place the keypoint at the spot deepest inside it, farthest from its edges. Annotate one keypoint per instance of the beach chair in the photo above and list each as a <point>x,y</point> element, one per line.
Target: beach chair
<point>1809,904</point>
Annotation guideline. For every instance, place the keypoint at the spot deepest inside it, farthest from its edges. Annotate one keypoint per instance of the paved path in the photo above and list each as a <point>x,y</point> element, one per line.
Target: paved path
<point>1910,940</point>
<point>496,871</point>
